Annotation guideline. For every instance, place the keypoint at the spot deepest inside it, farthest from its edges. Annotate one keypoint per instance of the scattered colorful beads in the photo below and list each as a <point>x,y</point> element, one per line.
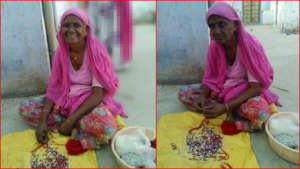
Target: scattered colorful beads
<point>173,145</point>
<point>49,159</point>
<point>203,143</point>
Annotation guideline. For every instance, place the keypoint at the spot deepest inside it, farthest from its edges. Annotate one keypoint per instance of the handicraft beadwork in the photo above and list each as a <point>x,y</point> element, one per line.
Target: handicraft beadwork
<point>203,143</point>
<point>50,158</point>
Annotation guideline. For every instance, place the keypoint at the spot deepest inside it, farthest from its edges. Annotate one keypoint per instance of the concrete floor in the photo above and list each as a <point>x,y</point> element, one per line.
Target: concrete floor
<point>283,53</point>
<point>136,93</point>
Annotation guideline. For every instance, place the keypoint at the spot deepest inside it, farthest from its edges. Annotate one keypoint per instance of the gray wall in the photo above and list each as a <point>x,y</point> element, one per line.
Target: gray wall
<point>182,41</point>
<point>238,6</point>
<point>25,64</point>
<point>288,16</point>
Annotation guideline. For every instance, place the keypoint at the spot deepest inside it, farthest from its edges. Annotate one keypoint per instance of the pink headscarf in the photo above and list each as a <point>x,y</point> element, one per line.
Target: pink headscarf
<point>99,63</point>
<point>251,52</point>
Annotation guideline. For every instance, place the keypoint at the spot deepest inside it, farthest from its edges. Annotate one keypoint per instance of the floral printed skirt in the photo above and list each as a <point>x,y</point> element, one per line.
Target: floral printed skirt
<point>94,129</point>
<point>251,115</point>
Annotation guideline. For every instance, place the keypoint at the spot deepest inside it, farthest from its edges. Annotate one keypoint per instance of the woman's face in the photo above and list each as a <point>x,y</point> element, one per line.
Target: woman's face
<point>222,29</point>
<point>73,29</point>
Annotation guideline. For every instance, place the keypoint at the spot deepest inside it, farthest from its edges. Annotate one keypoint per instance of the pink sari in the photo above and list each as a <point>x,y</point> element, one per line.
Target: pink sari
<point>253,57</point>
<point>99,63</point>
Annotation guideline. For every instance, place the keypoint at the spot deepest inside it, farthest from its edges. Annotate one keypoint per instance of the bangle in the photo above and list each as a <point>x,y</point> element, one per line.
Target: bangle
<point>227,107</point>
<point>46,110</point>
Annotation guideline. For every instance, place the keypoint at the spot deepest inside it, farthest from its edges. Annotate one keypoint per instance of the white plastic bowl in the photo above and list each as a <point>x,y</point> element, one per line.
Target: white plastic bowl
<point>125,131</point>
<point>283,151</point>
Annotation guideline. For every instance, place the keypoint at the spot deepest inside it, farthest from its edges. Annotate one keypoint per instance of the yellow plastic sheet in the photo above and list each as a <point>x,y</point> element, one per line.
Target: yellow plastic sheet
<point>173,128</point>
<point>16,150</point>
<point>273,108</point>
<point>120,122</point>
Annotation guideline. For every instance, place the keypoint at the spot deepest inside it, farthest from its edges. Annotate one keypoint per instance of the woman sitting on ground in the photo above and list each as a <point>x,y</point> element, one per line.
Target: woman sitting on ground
<point>80,92</point>
<point>237,75</point>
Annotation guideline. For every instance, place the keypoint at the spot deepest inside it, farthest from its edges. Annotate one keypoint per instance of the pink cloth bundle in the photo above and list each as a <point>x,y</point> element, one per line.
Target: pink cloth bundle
<point>126,31</point>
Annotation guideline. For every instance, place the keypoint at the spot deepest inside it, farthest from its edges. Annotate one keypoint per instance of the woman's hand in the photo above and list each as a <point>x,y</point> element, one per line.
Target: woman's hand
<point>42,133</point>
<point>214,110</point>
<point>67,126</point>
<point>200,103</point>
<point>87,106</point>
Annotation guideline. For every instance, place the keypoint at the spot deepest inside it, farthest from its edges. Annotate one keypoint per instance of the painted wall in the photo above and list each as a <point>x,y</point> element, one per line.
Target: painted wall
<point>25,64</point>
<point>238,6</point>
<point>288,16</point>
<point>143,12</point>
<point>285,15</point>
<point>266,14</point>
<point>182,41</point>
<point>265,5</point>
<point>62,6</point>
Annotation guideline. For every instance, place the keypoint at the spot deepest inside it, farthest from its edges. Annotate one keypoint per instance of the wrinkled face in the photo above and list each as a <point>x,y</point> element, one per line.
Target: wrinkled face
<point>73,29</point>
<point>222,29</point>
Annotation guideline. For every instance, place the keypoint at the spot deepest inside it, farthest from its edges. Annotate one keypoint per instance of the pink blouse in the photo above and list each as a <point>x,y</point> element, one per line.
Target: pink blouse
<point>237,73</point>
<point>82,80</point>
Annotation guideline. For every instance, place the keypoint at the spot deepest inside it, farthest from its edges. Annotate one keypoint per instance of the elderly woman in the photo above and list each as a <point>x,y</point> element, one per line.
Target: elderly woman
<point>237,75</point>
<point>80,92</point>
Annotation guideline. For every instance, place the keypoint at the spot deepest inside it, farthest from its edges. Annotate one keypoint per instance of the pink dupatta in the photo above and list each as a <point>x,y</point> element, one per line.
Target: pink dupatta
<point>251,52</point>
<point>99,63</point>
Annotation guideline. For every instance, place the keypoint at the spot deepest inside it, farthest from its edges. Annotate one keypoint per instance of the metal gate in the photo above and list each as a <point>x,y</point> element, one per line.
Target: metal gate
<point>251,12</point>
